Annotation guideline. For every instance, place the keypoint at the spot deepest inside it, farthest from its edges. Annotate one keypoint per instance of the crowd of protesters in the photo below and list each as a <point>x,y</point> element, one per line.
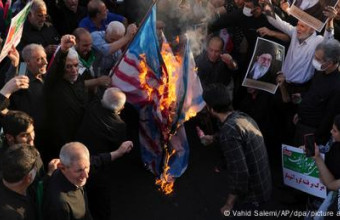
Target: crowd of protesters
<point>61,119</point>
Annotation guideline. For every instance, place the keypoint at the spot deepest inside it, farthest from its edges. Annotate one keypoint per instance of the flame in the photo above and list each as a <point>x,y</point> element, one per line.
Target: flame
<point>166,91</point>
<point>166,181</point>
<point>177,40</point>
<point>168,108</point>
<point>143,76</point>
<point>190,114</point>
<point>168,87</point>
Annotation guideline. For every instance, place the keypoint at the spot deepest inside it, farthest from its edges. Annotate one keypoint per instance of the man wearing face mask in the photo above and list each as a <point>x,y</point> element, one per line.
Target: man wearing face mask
<point>319,104</point>
<point>297,69</point>
<point>250,19</point>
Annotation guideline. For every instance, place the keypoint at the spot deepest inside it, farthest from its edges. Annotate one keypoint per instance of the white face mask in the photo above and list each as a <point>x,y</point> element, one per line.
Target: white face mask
<point>247,11</point>
<point>317,65</point>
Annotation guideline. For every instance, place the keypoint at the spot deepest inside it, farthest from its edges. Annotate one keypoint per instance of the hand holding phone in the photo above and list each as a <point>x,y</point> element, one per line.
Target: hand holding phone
<point>310,145</point>
<point>22,69</point>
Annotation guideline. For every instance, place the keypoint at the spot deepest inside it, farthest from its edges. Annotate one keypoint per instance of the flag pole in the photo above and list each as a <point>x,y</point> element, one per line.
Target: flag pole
<point>128,45</point>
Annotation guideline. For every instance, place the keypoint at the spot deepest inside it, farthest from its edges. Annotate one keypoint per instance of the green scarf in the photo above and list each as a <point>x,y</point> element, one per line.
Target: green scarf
<point>88,63</point>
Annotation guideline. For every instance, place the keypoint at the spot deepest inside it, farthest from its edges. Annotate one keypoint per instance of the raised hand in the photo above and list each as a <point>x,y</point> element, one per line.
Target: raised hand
<point>67,41</point>
<point>16,83</point>
<point>14,56</point>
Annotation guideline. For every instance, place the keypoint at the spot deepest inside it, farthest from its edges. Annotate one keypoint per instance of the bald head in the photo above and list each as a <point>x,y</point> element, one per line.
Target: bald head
<point>83,42</point>
<point>81,32</point>
<point>72,152</point>
<point>94,7</point>
<point>214,50</point>
<point>114,99</point>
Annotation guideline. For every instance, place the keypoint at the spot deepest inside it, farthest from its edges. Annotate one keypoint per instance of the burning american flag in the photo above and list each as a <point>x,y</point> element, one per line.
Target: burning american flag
<point>167,92</point>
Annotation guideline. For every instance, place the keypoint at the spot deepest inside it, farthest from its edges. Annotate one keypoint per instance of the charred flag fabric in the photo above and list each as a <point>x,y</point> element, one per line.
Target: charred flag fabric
<point>165,97</point>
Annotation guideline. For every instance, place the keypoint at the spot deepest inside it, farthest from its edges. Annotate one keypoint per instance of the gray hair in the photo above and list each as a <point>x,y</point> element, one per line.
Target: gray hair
<point>72,152</point>
<point>37,4</point>
<point>28,51</point>
<point>72,54</point>
<point>113,99</point>
<point>331,49</point>
<point>116,27</point>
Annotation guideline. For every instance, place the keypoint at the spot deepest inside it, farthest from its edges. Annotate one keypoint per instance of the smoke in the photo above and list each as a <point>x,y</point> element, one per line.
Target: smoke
<point>189,17</point>
<point>197,39</point>
<point>181,17</point>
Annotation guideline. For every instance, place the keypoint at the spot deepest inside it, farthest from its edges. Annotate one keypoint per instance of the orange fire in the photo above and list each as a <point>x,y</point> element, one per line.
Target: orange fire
<point>165,89</point>
<point>189,114</point>
<point>177,39</point>
<point>168,104</point>
<point>166,181</point>
<point>169,82</point>
<point>143,76</point>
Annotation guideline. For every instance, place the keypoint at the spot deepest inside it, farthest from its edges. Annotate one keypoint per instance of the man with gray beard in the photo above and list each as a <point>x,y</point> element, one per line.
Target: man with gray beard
<point>261,66</point>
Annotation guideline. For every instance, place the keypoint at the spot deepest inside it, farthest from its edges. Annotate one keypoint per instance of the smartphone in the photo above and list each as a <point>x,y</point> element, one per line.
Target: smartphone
<point>22,69</point>
<point>310,145</point>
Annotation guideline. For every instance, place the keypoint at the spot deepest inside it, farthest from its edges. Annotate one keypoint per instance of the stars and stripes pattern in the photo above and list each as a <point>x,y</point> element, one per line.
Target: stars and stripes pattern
<point>154,120</point>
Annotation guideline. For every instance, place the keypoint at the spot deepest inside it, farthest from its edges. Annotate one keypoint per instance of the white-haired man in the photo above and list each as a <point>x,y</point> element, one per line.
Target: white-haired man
<point>66,95</point>
<point>109,43</point>
<point>31,100</point>
<point>65,196</point>
<point>103,131</point>
<point>297,69</point>
<point>261,66</point>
